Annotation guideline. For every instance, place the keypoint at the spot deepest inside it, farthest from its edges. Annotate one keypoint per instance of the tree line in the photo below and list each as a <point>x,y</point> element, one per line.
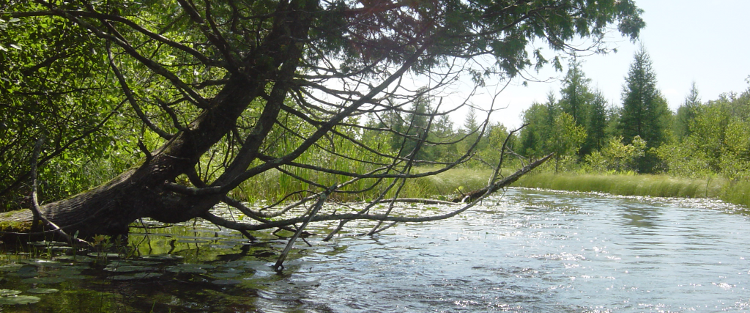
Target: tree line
<point>587,133</point>
<point>640,134</point>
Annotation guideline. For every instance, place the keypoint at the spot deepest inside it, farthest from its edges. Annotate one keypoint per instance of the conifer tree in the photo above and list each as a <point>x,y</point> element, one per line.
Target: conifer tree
<point>418,121</point>
<point>596,126</point>
<point>645,112</point>
<point>575,94</point>
<point>687,112</point>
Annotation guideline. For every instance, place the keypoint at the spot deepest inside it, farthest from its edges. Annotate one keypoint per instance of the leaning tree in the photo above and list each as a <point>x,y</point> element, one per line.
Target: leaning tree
<point>215,93</point>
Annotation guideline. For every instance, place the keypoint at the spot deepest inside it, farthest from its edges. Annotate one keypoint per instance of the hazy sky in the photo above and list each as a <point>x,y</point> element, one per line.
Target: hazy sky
<point>706,42</point>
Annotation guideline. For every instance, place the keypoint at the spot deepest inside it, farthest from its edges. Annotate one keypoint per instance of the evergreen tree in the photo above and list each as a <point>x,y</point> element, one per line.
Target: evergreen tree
<point>391,121</point>
<point>471,129</point>
<point>687,112</point>
<point>442,126</point>
<point>596,126</point>
<point>418,120</point>
<point>587,108</point>
<point>644,112</point>
<point>575,94</point>
<point>531,137</point>
<point>470,121</point>
<point>539,120</point>
<point>442,131</point>
<point>553,110</point>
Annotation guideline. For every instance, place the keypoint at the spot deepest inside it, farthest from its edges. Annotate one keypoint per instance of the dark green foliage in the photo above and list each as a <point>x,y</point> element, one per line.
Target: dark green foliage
<point>716,140</point>
<point>645,112</point>
<point>539,121</point>
<point>596,127</point>
<point>575,95</point>
<point>51,86</point>
<point>419,121</point>
<point>686,113</point>
<point>587,107</point>
<point>587,112</point>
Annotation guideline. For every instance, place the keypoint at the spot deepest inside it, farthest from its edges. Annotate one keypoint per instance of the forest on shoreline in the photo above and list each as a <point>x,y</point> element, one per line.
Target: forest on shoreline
<point>703,142</point>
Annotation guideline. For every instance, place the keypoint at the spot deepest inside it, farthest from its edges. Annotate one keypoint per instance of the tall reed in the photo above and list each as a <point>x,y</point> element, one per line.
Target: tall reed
<point>273,185</point>
<point>737,192</point>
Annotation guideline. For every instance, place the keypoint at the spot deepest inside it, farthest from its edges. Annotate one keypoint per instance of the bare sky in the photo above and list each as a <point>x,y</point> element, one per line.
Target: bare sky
<point>706,42</point>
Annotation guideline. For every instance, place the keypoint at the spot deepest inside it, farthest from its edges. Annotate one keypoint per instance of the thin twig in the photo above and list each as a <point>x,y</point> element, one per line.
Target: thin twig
<point>321,200</point>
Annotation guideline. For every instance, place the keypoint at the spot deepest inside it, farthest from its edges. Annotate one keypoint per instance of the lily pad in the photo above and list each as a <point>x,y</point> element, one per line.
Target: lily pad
<point>225,282</point>
<point>226,274</point>
<point>243,264</point>
<point>10,267</point>
<point>136,276</point>
<point>129,269</point>
<point>75,258</point>
<point>188,268</point>
<point>9,292</point>
<point>43,280</point>
<point>69,271</point>
<point>220,246</point>
<point>43,263</point>
<point>48,243</point>
<point>77,276</point>
<point>144,262</point>
<point>163,257</point>
<point>42,290</point>
<point>104,255</point>
<point>26,271</point>
<point>193,241</point>
<point>19,300</point>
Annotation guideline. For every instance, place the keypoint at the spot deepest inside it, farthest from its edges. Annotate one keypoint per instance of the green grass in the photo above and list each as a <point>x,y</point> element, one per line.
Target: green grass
<point>737,192</point>
<point>628,185</point>
<point>449,183</point>
<point>273,185</point>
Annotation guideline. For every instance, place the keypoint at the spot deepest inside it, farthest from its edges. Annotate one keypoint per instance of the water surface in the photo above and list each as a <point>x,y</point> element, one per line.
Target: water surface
<point>524,251</point>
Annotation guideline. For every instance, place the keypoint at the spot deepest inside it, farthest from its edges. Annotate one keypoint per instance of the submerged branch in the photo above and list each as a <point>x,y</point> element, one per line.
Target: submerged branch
<point>318,205</point>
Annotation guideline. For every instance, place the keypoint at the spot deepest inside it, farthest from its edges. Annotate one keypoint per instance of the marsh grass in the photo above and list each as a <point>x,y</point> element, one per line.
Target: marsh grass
<point>628,185</point>
<point>736,192</point>
<point>446,184</point>
<point>273,185</point>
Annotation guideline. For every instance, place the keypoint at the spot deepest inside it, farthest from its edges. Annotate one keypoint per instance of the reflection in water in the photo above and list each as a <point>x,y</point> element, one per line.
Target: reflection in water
<point>530,251</point>
<point>639,215</point>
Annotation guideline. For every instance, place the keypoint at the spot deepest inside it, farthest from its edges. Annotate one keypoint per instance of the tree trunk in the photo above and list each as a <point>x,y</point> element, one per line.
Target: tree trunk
<point>143,191</point>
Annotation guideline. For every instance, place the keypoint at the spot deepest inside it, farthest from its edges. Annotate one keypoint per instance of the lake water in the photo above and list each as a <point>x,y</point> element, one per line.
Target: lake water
<point>523,251</point>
